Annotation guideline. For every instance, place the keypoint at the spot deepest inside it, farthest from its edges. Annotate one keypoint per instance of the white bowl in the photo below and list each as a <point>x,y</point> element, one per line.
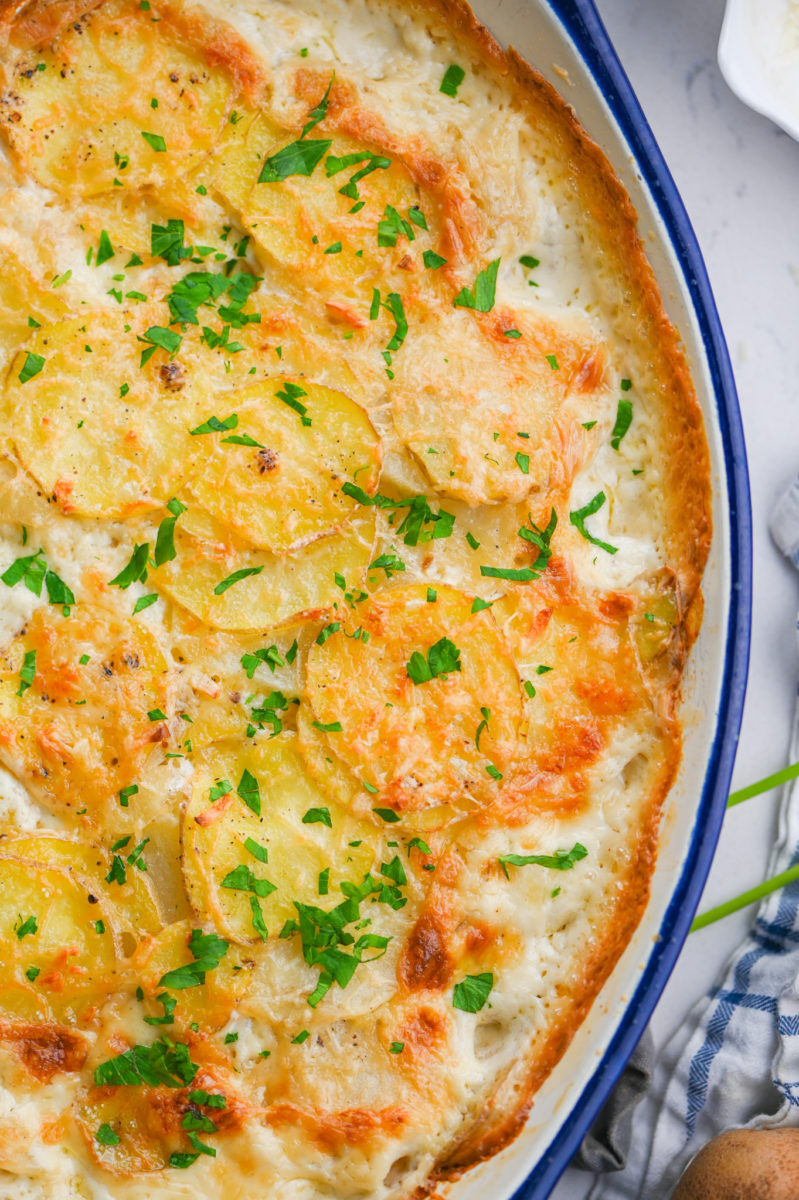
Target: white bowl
<point>759,57</point>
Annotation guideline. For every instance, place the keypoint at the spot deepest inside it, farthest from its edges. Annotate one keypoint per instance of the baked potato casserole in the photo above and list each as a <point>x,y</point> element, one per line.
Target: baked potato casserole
<point>354,502</point>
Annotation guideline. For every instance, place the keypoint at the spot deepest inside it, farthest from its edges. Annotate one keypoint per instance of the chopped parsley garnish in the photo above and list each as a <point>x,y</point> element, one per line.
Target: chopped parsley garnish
<point>31,973</point>
<point>493,771</point>
<point>301,1037</point>
<point>579,517</point>
<point>236,577</point>
<point>528,261</point>
<point>318,816</point>
<point>105,250</point>
<point>32,366</point>
<point>166,241</point>
<point>396,1047</point>
<point>290,394</point>
<point>624,416</point>
<point>420,845</point>
<point>472,992</point>
<point>523,462</point>
<point>27,672</point>
<point>164,1063</point>
<point>298,158</point>
<point>332,727</point>
<point>323,882</point>
<point>215,425</point>
<point>386,814</point>
<point>169,1004</point>
<point>432,260</point>
<point>156,714</point>
<point>453,78</point>
<point>486,715</point>
<point>481,297</point>
<point>230,1039</point>
<point>270,655</point>
<point>165,539</point>
<point>393,226</point>
<point>414,524</point>
<point>479,605</point>
<point>553,362</point>
<point>374,162</point>
<point>441,660</point>
<point>144,602</point>
<point>561,860</point>
<point>249,791</point>
<point>33,572</point>
<point>319,113</point>
<point>333,248</point>
<point>135,570</point>
<point>159,338</point>
<point>106,1136</point>
<point>242,879</point>
<point>25,928</point>
<point>389,563</point>
<point>155,142</point>
<point>208,950</point>
<point>259,852</point>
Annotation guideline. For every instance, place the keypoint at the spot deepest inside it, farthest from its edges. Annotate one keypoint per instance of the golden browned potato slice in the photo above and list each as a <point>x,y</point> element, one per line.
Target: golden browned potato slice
<point>238,158</point>
<point>268,589</point>
<point>133,904</point>
<point>409,679</point>
<point>348,241</point>
<point>120,94</point>
<point>21,298</point>
<point>491,417</point>
<point>299,829</point>
<point>143,1125</point>
<point>81,731</point>
<point>128,217</point>
<point>57,960</point>
<point>282,489</point>
<point>209,1004</point>
<point>102,434</point>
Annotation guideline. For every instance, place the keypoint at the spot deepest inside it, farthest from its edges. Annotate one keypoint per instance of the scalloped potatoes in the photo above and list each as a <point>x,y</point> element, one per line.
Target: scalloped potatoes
<point>353,508</point>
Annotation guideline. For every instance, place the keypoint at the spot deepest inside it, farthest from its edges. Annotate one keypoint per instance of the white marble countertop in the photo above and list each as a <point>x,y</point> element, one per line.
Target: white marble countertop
<point>739,179</point>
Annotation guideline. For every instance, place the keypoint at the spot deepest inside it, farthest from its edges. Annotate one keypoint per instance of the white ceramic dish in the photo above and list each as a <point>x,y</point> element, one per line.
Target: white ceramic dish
<point>565,40</point>
<point>759,57</point>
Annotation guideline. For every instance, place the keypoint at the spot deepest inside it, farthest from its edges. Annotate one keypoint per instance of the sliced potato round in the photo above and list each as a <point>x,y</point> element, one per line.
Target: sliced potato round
<point>491,417</point>
<point>22,297</point>
<point>133,903</point>
<point>285,491</point>
<point>81,731</point>
<point>273,589</point>
<point>102,434</point>
<point>237,160</point>
<point>215,833</point>
<point>86,118</point>
<point>305,224</point>
<point>415,742</point>
<point>209,1004</point>
<point>48,926</point>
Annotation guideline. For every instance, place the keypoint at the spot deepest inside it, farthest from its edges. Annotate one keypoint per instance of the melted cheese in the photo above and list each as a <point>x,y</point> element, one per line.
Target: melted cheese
<point>227,717</point>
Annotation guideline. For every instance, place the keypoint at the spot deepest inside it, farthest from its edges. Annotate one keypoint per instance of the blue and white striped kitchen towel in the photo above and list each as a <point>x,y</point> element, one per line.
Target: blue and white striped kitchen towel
<point>735,1061</point>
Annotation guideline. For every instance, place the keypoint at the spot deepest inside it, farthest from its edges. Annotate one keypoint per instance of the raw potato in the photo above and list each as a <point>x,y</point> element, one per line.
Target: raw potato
<point>744,1164</point>
<point>80,118</point>
<point>76,963</point>
<point>98,453</point>
<point>81,731</point>
<point>286,491</point>
<point>213,837</point>
<point>418,750</point>
<point>494,419</point>
<point>286,588</point>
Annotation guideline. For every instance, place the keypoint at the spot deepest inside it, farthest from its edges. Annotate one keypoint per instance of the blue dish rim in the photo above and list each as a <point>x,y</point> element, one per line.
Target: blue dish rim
<point>583,25</point>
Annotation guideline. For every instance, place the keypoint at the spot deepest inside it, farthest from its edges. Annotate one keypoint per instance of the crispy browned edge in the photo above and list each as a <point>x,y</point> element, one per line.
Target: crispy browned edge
<point>611,218</point>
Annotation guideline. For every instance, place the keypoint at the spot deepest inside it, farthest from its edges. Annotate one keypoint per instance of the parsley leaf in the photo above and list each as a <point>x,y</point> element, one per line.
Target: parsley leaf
<point>578,519</point>
<point>159,338</point>
<point>453,78</point>
<point>442,659</point>
<point>624,416</point>
<point>298,158</point>
<point>165,539</point>
<point>32,366</point>
<point>135,571</point>
<point>208,950</point>
<point>482,297</point>
<point>249,791</point>
<point>561,860</point>
<point>228,582</point>
<point>164,1063</point>
<point>472,992</point>
<point>155,142</point>
<point>318,816</point>
<point>319,113</point>
<point>27,672</point>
